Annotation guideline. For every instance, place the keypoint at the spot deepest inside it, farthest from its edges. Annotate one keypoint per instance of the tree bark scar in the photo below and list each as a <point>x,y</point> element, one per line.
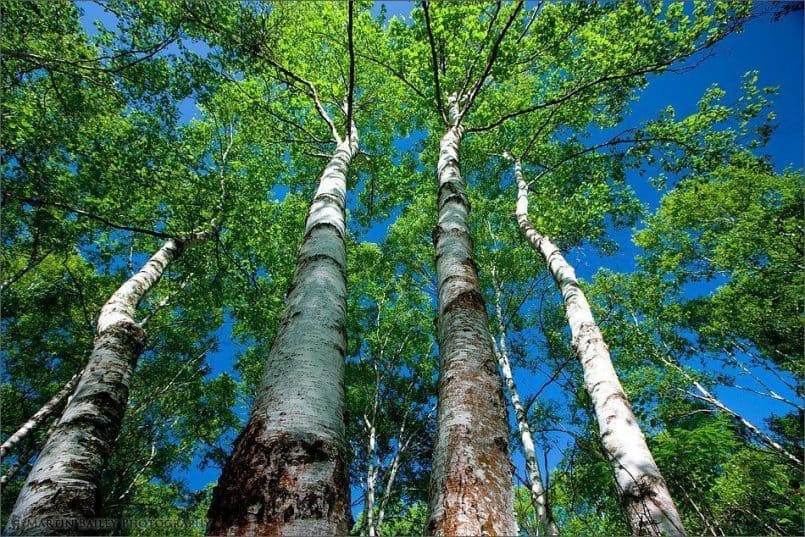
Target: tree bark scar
<point>321,226</point>
<point>267,484</point>
<point>126,336</point>
<point>470,299</point>
<point>453,190</point>
<point>460,233</point>
<point>326,197</point>
<point>305,261</point>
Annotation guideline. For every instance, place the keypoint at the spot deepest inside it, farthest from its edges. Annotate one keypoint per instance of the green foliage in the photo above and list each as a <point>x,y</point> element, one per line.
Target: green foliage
<point>99,164</point>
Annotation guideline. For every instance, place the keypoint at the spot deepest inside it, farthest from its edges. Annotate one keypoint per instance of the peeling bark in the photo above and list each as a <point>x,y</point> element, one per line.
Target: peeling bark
<point>643,492</point>
<point>471,489</point>
<point>538,496</point>
<point>288,474</point>
<point>64,482</point>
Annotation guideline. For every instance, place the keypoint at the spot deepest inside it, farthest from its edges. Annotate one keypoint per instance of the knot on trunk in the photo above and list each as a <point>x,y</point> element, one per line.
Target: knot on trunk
<point>274,479</point>
<point>129,334</point>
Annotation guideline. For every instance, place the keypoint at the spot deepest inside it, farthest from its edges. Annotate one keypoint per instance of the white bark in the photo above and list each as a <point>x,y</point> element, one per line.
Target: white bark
<point>41,415</point>
<point>371,480</point>
<point>643,492</point>
<point>708,397</point>
<point>471,489</point>
<point>23,458</point>
<point>64,482</point>
<point>287,474</point>
<point>538,497</point>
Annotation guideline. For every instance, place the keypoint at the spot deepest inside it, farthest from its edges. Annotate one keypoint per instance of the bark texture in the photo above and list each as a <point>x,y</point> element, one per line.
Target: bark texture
<point>538,496</point>
<point>643,492</point>
<point>471,489</point>
<point>288,472</point>
<point>63,484</point>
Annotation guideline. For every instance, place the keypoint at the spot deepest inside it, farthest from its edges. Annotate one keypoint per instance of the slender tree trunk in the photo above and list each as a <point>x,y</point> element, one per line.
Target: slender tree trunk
<point>287,474</point>
<point>538,497</point>
<point>642,489</point>
<point>708,397</point>
<point>471,490</point>
<point>41,415</point>
<point>371,482</point>
<point>64,483</point>
<point>23,458</point>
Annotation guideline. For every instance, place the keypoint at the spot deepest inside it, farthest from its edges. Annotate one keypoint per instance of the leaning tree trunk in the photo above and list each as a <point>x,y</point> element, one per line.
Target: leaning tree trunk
<point>287,474</point>
<point>471,490</point>
<point>41,415</point>
<point>643,492</point>
<point>64,483</point>
<point>538,496</point>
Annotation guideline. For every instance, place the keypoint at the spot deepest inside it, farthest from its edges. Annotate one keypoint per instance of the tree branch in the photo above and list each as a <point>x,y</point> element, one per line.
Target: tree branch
<point>493,54</point>
<point>351,46</point>
<point>91,216</point>
<point>435,64</point>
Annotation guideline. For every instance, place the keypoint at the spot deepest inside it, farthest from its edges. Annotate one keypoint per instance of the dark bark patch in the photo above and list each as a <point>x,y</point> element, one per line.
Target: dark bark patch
<point>453,231</point>
<point>618,395</point>
<point>329,198</point>
<point>453,191</point>
<point>273,480</point>
<point>322,226</point>
<point>127,336</point>
<point>305,261</point>
<point>468,300</point>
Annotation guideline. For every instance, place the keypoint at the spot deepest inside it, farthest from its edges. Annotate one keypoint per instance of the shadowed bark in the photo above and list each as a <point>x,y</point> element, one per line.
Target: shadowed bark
<point>63,487</point>
<point>471,489</point>
<point>288,473</point>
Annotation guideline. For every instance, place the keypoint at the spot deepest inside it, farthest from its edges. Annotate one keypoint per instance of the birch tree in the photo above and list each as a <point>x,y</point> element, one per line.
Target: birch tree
<point>288,470</point>
<point>391,382</point>
<point>64,482</point>
<point>475,92</point>
<point>643,492</point>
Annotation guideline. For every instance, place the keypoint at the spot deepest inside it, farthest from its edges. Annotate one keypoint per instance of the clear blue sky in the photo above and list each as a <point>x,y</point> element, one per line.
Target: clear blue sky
<point>773,48</point>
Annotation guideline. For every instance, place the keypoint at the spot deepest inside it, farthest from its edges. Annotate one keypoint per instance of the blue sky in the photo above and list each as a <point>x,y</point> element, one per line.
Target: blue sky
<point>772,48</point>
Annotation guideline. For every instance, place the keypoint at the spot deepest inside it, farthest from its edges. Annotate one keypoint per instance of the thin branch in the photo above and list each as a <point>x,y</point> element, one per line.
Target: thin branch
<point>490,62</point>
<point>398,74</point>
<point>351,46</point>
<point>165,301</point>
<point>435,64</point>
<point>91,216</point>
<point>32,262</point>
<point>479,49</point>
<point>311,89</point>
<point>570,95</point>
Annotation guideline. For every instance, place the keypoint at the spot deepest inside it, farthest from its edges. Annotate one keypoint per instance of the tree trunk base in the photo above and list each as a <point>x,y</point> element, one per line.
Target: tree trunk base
<point>281,484</point>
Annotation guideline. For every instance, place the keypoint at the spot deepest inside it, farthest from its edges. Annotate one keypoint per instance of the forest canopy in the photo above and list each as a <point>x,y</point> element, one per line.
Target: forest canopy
<point>446,268</point>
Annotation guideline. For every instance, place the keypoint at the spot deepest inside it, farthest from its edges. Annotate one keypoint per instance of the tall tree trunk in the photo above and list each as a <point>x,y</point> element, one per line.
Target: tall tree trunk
<point>471,490</point>
<point>287,474</point>
<point>41,415</point>
<point>642,490</point>
<point>538,496</point>
<point>64,483</point>
<point>371,481</point>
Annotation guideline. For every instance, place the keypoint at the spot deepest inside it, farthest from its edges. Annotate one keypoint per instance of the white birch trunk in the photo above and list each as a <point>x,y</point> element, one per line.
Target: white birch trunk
<point>41,415</point>
<point>287,474</point>
<point>538,497</point>
<point>471,490</point>
<point>64,482</point>
<point>371,480</point>
<point>643,492</point>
